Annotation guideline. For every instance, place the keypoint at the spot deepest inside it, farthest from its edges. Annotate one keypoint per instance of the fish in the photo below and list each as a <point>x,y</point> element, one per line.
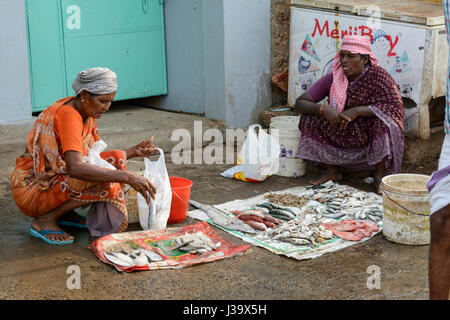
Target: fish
<point>279,216</point>
<point>284,234</point>
<point>255,212</point>
<point>139,259</point>
<point>275,206</point>
<point>319,186</point>
<point>119,259</point>
<point>326,234</point>
<point>220,218</point>
<point>256,225</point>
<point>300,242</point>
<point>283,215</point>
<point>335,215</point>
<point>266,205</point>
<point>329,210</point>
<point>334,207</point>
<point>151,256</point>
<point>261,209</point>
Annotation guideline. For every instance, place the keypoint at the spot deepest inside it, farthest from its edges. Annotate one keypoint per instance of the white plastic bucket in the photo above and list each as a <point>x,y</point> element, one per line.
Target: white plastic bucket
<point>406,208</point>
<point>291,167</point>
<point>288,134</point>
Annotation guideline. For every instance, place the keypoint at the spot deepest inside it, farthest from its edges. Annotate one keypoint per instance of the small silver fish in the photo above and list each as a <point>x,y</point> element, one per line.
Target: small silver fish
<point>300,242</point>
<point>151,256</point>
<point>119,259</point>
<point>139,259</point>
<point>334,216</point>
<point>332,206</point>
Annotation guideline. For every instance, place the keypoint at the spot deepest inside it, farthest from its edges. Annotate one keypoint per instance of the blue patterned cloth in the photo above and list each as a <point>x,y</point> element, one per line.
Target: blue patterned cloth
<point>446,4</point>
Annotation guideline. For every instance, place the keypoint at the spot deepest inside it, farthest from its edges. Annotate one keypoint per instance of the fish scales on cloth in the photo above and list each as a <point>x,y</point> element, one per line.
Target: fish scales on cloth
<point>305,229</point>
<point>169,248</point>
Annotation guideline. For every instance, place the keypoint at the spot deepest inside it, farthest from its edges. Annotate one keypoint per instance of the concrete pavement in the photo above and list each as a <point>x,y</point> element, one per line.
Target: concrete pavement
<point>31,269</point>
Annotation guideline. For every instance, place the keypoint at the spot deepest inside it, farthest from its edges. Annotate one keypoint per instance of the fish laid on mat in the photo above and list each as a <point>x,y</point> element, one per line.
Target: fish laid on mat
<point>222,219</point>
<point>124,259</point>
<point>352,230</point>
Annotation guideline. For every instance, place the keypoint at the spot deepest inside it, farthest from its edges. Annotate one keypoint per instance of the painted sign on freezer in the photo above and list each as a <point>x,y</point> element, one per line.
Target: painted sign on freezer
<point>316,36</point>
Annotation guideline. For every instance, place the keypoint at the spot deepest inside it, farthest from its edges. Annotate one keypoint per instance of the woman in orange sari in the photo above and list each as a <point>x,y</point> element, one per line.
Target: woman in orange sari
<point>51,178</point>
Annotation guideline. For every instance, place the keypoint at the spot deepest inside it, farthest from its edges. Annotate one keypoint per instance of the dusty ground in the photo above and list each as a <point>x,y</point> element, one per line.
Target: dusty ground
<point>31,269</point>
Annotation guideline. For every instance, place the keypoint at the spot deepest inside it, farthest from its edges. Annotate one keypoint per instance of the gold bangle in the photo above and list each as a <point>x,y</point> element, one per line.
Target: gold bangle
<point>322,108</point>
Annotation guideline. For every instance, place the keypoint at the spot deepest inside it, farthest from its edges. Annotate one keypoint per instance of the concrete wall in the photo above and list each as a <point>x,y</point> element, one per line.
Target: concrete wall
<point>247,60</point>
<point>184,54</point>
<point>15,101</point>
<point>218,59</point>
<point>214,53</point>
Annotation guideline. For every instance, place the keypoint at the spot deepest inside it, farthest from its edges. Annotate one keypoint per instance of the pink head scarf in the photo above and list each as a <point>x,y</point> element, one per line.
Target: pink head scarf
<point>338,91</point>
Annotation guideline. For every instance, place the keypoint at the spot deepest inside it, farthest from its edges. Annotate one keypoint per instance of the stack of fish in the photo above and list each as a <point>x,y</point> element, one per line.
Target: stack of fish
<point>338,201</point>
<point>257,218</point>
<point>194,243</point>
<point>308,232</point>
<point>373,212</point>
<point>130,258</point>
<point>333,209</point>
<point>277,211</point>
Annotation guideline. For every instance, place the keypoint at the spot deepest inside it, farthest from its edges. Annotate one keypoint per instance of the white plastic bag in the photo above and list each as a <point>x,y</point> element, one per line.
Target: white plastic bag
<point>94,158</point>
<point>258,158</point>
<point>155,217</point>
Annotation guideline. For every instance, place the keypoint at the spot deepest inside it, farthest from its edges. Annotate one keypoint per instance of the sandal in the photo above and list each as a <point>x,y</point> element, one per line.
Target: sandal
<point>41,235</point>
<point>70,223</point>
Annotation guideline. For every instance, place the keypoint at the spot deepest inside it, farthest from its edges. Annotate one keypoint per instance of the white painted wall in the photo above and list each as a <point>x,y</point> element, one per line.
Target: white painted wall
<point>247,60</point>
<point>184,56</point>
<point>15,99</point>
<point>218,58</point>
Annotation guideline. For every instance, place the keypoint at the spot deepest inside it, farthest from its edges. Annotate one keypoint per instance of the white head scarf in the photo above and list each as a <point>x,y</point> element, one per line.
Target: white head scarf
<point>95,81</point>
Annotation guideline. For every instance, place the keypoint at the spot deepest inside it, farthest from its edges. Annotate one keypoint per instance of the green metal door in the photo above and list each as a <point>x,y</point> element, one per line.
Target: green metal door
<point>67,36</point>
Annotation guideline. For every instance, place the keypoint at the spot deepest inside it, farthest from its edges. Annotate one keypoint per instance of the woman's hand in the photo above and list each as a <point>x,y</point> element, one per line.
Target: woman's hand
<point>142,185</point>
<point>357,112</point>
<point>144,149</point>
<point>77,169</point>
<point>352,114</point>
<point>335,117</point>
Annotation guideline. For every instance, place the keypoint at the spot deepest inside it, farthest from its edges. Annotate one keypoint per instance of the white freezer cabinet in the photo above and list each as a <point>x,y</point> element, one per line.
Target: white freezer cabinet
<point>415,54</point>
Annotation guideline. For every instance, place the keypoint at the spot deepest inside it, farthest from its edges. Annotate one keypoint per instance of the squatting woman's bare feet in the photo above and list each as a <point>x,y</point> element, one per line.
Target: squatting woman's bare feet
<point>377,184</point>
<point>332,173</point>
<point>379,174</point>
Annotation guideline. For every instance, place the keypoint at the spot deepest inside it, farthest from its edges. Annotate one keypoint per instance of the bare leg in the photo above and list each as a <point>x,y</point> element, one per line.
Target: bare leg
<point>48,220</point>
<point>380,172</point>
<point>332,173</point>
<point>439,255</point>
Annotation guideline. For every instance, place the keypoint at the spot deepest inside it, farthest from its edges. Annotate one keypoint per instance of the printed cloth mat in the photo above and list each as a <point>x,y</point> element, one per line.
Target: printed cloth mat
<point>299,252</point>
<point>162,242</point>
